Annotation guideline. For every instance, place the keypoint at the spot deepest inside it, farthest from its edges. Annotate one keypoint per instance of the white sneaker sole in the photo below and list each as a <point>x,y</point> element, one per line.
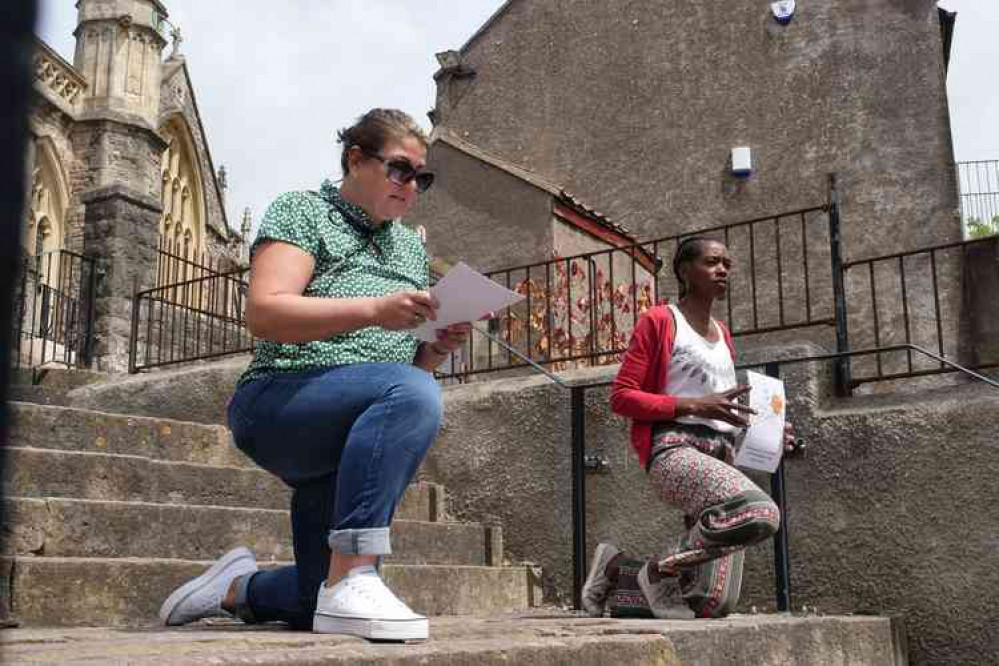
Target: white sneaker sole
<point>416,629</point>
<point>182,593</point>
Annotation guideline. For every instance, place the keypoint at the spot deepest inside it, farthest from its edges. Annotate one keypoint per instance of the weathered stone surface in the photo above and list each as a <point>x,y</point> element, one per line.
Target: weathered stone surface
<point>40,395</point>
<point>499,641</point>
<point>198,393</point>
<point>635,109</point>
<point>55,591</point>
<point>51,427</point>
<point>981,280</point>
<point>84,528</point>
<point>121,229</point>
<point>57,378</point>
<point>99,476</point>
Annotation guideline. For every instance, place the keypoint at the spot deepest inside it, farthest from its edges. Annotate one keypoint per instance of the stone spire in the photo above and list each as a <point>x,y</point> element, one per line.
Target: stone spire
<point>245,230</point>
<point>119,49</point>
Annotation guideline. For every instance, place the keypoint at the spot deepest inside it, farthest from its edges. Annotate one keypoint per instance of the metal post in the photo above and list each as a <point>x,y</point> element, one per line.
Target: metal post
<point>87,348</point>
<point>578,416</point>
<point>841,376</point>
<point>782,574</point>
<point>133,338</point>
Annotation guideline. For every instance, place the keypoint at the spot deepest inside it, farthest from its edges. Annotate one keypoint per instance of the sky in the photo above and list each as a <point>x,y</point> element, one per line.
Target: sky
<point>275,79</point>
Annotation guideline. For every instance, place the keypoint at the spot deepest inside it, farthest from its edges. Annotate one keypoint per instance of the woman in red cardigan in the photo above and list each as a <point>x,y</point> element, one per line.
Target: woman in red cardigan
<point>677,383</point>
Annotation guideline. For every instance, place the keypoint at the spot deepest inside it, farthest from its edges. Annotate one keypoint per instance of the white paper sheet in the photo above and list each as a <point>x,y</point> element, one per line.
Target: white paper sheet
<point>763,443</point>
<point>465,295</point>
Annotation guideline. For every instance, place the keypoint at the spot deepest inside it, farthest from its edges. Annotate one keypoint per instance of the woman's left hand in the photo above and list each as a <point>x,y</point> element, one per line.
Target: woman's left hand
<point>791,442</point>
<point>451,338</point>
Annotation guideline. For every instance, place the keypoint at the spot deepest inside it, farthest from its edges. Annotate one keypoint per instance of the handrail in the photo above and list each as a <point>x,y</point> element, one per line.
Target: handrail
<point>877,350</point>
<point>922,250</point>
<point>516,352</point>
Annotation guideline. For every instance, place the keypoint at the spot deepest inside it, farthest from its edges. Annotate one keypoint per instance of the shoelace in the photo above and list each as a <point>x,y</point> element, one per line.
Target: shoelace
<point>383,596</point>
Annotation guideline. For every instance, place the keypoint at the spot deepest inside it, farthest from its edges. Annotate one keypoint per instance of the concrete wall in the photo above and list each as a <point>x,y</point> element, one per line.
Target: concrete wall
<point>982,280</point>
<point>889,510</point>
<point>636,105</point>
<point>482,215</point>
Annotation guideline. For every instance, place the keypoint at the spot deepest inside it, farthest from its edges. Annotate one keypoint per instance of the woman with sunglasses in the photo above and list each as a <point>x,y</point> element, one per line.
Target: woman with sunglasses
<point>340,400</point>
<point>677,383</point>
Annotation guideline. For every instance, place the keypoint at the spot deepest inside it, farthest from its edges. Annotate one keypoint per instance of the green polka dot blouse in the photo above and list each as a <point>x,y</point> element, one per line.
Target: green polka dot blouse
<point>353,259</point>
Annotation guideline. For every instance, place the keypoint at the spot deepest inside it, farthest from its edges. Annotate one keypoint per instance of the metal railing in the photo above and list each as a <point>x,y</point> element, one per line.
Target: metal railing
<point>913,297</point>
<point>978,184</point>
<point>176,262</point>
<point>580,310</point>
<point>198,319</point>
<point>54,310</point>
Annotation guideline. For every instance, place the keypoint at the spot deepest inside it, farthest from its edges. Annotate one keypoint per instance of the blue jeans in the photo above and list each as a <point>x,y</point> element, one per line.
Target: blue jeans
<point>348,441</point>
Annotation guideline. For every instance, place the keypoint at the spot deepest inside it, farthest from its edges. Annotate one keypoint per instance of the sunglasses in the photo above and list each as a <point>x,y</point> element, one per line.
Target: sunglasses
<point>401,172</point>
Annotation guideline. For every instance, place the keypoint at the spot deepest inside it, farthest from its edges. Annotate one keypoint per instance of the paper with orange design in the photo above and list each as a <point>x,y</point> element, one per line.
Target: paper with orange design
<point>762,444</point>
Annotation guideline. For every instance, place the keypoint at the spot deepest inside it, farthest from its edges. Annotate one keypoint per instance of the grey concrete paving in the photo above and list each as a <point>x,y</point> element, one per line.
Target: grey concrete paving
<point>127,592</point>
<point>759,640</point>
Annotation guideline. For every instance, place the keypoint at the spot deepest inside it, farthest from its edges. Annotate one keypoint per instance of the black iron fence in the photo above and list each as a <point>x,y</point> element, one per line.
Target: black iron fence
<point>54,310</point>
<point>581,310</point>
<point>918,297</point>
<point>197,319</point>
<point>978,184</point>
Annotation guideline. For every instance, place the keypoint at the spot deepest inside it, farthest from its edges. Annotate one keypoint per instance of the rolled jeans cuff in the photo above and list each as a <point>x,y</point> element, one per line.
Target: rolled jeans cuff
<point>242,599</point>
<point>369,541</point>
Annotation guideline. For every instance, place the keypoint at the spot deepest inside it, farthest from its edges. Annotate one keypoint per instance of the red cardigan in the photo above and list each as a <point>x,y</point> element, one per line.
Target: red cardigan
<point>637,390</point>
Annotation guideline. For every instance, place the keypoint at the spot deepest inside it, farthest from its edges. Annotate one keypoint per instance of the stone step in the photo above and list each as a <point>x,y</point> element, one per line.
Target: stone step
<point>56,591</point>
<point>55,527</point>
<point>44,473</point>
<point>496,641</point>
<point>71,429</point>
<point>39,395</point>
<point>57,378</point>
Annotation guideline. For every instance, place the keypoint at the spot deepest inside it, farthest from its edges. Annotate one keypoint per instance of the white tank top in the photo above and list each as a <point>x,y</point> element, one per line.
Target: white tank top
<point>698,368</point>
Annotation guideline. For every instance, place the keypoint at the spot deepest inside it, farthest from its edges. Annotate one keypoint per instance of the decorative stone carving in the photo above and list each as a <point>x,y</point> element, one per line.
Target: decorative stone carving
<point>57,79</point>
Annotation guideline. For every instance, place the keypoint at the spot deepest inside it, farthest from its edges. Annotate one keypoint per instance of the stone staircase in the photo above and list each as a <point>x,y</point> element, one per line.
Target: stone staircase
<point>105,514</point>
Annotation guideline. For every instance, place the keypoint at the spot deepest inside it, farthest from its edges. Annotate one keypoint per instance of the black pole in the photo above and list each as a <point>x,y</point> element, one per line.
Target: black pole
<point>17,48</point>
<point>578,416</point>
<point>841,371</point>
<point>782,573</point>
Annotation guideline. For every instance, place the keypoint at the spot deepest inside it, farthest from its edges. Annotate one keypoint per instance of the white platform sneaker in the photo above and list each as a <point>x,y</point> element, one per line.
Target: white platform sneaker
<point>202,597</point>
<point>361,605</point>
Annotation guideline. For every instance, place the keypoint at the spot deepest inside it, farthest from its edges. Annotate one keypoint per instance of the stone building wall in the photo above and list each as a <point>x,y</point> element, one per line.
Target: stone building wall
<point>481,215</point>
<point>637,107</point>
<point>50,124</point>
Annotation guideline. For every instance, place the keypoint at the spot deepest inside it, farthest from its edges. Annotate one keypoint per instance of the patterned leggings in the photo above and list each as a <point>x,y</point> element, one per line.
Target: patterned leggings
<point>724,512</point>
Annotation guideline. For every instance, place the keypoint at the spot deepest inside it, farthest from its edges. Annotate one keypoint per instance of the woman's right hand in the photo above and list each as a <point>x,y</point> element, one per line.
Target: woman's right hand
<point>718,406</point>
<point>405,310</point>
